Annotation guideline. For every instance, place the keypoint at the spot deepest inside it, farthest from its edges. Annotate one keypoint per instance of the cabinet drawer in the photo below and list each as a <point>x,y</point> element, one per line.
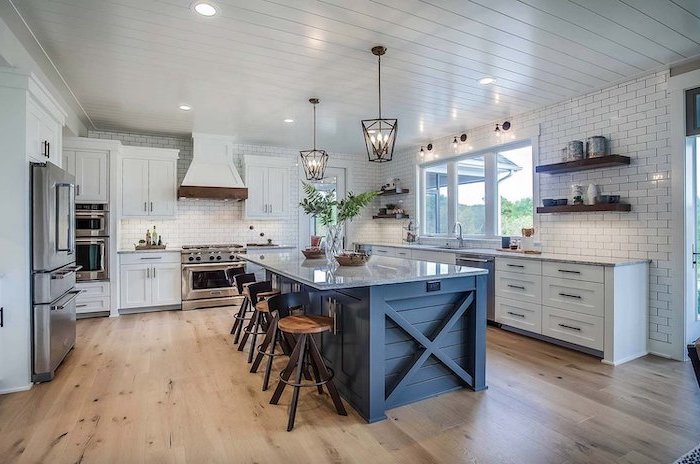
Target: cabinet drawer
<point>392,251</point>
<point>91,305</point>
<point>93,289</point>
<point>587,272</point>
<point>519,287</point>
<point>520,266</point>
<point>151,257</point>
<point>574,295</point>
<point>433,256</point>
<point>526,316</point>
<point>580,329</point>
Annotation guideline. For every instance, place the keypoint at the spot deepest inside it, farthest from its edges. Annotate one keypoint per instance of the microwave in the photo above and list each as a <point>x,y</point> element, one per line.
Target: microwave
<point>91,220</point>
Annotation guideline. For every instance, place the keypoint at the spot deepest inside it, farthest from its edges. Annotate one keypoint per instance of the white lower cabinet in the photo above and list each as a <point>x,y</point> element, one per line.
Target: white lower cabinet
<point>409,253</point>
<point>573,327</point>
<point>93,298</point>
<point>149,279</point>
<point>595,307</point>
<point>525,316</point>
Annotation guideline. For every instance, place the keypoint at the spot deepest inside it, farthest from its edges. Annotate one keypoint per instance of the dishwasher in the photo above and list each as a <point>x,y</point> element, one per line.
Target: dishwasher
<point>487,262</point>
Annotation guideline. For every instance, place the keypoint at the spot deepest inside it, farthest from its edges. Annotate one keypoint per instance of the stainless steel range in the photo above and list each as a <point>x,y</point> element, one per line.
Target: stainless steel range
<point>207,275</point>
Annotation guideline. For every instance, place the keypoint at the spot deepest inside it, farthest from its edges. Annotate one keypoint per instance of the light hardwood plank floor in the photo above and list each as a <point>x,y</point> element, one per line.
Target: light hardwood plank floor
<point>170,387</point>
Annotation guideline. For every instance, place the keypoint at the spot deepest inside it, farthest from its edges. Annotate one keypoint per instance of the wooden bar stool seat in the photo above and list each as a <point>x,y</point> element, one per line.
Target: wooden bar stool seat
<point>306,353</point>
<point>306,324</point>
<point>262,306</point>
<point>242,281</point>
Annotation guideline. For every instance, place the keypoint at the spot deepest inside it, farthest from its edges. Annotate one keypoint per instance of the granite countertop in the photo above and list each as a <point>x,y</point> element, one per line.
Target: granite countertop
<point>380,270</point>
<point>179,249</point>
<point>574,259</point>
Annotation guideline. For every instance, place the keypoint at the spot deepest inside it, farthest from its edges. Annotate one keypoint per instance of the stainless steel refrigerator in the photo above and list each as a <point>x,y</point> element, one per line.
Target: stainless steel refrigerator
<point>53,268</point>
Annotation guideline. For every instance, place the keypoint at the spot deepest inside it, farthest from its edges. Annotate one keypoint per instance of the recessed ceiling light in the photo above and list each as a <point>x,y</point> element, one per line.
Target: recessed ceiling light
<point>486,80</point>
<point>185,107</point>
<point>204,8</point>
<point>289,120</point>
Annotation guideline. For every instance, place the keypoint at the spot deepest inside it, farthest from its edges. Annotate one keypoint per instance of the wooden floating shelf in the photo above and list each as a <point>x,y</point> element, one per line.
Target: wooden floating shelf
<point>622,207</point>
<point>584,164</point>
<point>391,216</point>
<point>393,192</point>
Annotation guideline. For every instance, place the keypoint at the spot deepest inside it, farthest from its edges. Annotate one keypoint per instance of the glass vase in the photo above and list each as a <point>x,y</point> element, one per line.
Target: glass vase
<point>334,242</point>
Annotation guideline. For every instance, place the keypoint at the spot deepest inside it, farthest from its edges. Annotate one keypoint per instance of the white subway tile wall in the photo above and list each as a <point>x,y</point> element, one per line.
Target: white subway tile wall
<point>634,116</point>
<point>211,221</point>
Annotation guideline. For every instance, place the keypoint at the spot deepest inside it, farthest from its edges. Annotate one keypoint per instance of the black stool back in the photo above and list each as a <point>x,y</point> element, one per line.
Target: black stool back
<point>258,287</point>
<point>286,302</point>
<point>243,279</point>
<point>233,272</point>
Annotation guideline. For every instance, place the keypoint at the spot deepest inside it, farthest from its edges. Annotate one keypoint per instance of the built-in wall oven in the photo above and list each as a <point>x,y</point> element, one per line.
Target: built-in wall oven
<point>207,276</point>
<point>92,254</point>
<point>91,220</point>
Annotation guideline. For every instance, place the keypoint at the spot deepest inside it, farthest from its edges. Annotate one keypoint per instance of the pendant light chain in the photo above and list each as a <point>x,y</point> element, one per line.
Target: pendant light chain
<point>379,80</point>
<point>314,126</point>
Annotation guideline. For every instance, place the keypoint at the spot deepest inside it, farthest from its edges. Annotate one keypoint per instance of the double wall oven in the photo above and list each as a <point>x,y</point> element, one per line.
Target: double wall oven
<point>92,241</point>
<point>207,275</point>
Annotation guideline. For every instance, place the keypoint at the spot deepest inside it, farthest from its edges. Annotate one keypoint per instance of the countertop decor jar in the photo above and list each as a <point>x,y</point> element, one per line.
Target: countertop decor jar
<point>596,146</point>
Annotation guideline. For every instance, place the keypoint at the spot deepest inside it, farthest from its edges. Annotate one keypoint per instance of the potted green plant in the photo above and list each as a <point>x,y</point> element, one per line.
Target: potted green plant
<point>333,213</point>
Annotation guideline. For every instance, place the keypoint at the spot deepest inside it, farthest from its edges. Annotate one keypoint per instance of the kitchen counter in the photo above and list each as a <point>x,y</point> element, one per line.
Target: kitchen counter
<point>179,249</point>
<point>380,270</point>
<point>403,330</point>
<point>573,259</point>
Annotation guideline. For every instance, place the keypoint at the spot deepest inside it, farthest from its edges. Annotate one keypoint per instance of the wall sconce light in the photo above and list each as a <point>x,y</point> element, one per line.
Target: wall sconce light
<point>430,147</point>
<point>506,125</point>
<point>422,152</point>
<point>455,144</point>
<point>463,138</point>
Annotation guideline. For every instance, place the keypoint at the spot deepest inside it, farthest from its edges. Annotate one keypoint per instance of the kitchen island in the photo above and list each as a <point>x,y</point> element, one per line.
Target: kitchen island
<point>404,330</point>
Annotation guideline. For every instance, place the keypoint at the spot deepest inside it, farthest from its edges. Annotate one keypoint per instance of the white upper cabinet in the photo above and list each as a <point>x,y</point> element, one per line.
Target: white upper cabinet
<point>268,182</point>
<point>149,182</point>
<point>91,171</point>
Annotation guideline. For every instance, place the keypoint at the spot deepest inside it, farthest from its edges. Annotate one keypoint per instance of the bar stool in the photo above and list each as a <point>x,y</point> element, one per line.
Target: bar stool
<point>258,323</point>
<point>278,307</point>
<point>238,320</point>
<point>306,352</point>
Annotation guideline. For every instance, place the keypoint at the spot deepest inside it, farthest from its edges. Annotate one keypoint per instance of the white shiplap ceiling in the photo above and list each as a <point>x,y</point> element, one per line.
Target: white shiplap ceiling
<point>132,62</point>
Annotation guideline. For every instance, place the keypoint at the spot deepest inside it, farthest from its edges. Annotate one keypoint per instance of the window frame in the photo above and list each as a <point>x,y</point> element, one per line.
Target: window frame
<point>492,215</point>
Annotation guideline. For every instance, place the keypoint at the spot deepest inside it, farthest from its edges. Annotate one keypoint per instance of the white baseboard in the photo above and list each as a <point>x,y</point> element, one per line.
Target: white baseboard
<point>625,359</point>
<point>15,389</point>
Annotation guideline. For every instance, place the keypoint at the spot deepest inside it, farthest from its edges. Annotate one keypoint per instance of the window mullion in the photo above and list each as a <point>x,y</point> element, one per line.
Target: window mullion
<point>451,195</point>
<point>491,193</point>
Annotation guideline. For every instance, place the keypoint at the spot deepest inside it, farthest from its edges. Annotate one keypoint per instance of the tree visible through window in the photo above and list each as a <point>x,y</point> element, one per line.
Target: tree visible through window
<point>515,190</point>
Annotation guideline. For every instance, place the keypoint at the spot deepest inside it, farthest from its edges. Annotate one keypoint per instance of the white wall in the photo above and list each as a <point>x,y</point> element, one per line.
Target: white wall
<point>15,341</point>
<point>634,115</point>
<point>212,221</point>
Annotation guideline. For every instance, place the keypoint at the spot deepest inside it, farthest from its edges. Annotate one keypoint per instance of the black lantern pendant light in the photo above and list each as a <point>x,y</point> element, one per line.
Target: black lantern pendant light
<point>314,161</point>
<point>380,134</point>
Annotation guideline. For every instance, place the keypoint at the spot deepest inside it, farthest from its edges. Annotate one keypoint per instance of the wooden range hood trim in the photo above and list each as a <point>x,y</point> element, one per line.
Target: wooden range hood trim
<point>214,193</point>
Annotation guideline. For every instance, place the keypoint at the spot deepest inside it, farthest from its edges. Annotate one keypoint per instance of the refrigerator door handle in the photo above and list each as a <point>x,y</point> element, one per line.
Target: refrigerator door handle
<point>73,295</point>
<point>67,229</point>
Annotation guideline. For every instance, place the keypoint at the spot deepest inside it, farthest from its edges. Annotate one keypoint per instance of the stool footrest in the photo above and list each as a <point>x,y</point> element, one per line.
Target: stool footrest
<point>310,384</point>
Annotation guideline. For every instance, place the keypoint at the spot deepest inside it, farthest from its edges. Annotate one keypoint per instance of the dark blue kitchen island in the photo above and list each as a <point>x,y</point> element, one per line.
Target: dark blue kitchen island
<point>404,330</point>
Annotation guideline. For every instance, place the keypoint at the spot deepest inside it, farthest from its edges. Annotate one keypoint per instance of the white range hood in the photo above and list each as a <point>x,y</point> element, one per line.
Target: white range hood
<point>212,173</point>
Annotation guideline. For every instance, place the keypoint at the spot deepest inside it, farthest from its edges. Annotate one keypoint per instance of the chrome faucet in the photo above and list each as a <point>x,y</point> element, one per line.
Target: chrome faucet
<point>459,236</point>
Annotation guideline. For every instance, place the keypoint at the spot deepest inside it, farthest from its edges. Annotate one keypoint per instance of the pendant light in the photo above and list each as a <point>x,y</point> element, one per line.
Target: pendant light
<point>380,134</point>
<point>314,161</point>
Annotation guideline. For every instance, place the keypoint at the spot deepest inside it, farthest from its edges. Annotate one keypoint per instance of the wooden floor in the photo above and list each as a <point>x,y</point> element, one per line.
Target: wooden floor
<point>170,387</point>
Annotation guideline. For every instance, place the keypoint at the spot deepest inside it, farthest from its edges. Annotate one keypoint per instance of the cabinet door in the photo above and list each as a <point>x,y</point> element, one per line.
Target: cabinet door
<point>165,282</point>
<point>256,204</point>
<point>49,135</point>
<point>277,190</point>
<point>162,188</point>
<point>91,176</point>
<point>134,187</point>
<point>35,149</point>
<point>135,285</point>
<point>69,163</point>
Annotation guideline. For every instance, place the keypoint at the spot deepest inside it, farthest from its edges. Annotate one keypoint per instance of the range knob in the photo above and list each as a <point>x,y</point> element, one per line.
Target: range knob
<point>198,258</point>
<point>218,258</point>
<point>232,257</point>
<point>211,258</point>
<point>191,258</point>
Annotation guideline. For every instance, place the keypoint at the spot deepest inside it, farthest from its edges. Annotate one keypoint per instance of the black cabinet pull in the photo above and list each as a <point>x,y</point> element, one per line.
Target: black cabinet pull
<point>570,327</point>
<point>515,265</point>
<point>2,316</point>
<point>570,296</point>
<point>566,271</point>
<point>516,314</point>
<point>48,150</point>
<point>519,287</point>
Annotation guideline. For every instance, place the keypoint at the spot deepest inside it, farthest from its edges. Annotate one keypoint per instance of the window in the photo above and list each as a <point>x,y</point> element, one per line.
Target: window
<point>487,193</point>
<point>435,181</point>
<point>515,190</point>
